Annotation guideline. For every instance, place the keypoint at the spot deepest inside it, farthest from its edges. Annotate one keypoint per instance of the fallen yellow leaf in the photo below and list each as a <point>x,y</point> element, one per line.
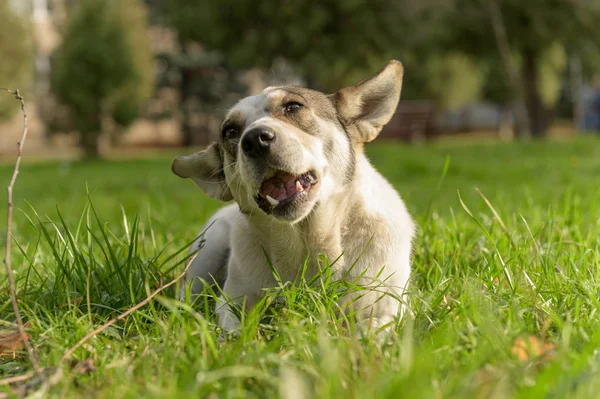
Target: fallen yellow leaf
<point>532,348</point>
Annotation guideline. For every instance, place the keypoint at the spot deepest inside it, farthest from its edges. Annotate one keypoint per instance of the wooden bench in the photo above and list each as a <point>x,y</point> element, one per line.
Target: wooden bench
<point>413,121</point>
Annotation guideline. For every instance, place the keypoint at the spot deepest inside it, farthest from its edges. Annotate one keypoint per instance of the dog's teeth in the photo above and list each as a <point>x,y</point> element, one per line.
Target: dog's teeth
<point>299,186</point>
<point>272,201</point>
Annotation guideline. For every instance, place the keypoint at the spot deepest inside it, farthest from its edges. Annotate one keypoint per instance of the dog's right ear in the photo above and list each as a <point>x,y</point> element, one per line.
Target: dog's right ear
<point>205,168</point>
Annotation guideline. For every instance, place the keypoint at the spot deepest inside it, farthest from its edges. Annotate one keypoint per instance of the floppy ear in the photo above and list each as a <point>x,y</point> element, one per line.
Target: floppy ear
<point>368,106</point>
<point>205,168</point>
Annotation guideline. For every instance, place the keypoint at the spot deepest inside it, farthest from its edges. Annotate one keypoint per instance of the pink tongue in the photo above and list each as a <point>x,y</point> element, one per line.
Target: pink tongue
<point>280,187</point>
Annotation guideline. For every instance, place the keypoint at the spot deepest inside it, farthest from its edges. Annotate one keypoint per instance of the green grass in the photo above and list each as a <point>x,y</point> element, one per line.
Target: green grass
<point>94,238</point>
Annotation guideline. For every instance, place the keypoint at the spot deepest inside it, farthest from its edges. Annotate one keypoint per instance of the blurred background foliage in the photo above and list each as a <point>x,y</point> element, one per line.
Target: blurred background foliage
<point>103,67</point>
<point>16,53</point>
<point>181,63</point>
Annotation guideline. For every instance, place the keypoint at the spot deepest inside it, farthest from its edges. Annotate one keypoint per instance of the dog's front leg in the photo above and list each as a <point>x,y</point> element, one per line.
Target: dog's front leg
<point>377,308</point>
<point>237,293</point>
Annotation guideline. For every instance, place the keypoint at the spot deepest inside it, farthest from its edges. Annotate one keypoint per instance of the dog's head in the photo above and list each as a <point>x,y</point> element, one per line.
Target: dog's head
<point>288,148</point>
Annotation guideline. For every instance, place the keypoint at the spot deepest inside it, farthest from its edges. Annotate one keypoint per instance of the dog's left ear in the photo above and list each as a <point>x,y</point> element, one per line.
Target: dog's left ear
<point>368,106</point>
<point>205,168</point>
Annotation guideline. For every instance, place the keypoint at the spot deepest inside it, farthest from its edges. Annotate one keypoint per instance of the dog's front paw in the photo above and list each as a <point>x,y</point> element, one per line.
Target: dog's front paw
<point>228,320</point>
<point>380,329</point>
<point>227,335</point>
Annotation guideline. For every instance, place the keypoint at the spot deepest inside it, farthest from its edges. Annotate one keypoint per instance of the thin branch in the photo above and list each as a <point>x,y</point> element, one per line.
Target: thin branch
<point>128,312</point>
<point>7,262</point>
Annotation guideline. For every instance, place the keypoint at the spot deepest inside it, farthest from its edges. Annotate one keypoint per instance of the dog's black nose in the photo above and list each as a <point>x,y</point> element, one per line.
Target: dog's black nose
<point>257,141</point>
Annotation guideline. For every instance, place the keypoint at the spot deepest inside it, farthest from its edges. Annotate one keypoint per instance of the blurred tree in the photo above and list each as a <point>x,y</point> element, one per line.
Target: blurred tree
<point>530,39</point>
<point>454,79</point>
<point>332,43</point>
<point>323,38</point>
<point>320,38</point>
<point>103,69</point>
<point>16,51</point>
<point>451,49</point>
<point>206,86</point>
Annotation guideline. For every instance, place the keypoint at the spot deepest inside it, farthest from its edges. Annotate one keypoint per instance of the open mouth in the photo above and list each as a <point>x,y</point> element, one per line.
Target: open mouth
<point>279,188</point>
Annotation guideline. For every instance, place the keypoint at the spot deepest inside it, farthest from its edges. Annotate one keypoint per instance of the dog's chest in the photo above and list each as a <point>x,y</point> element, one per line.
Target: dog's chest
<point>295,254</point>
<point>299,250</point>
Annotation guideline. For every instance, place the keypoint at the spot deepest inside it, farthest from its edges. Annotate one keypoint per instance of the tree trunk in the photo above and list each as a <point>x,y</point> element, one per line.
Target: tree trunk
<point>203,132</point>
<point>184,104</point>
<point>90,144</point>
<point>576,81</point>
<point>510,65</point>
<point>90,131</point>
<point>185,97</point>
<point>533,99</point>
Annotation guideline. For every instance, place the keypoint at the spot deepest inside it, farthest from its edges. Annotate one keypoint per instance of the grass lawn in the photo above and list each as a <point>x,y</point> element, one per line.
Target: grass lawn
<point>93,239</point>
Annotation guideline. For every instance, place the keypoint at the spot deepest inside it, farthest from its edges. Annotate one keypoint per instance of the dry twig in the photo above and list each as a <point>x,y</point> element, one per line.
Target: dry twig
<point>17,378</point>
<point>129,311</point>
<point>7,263</point>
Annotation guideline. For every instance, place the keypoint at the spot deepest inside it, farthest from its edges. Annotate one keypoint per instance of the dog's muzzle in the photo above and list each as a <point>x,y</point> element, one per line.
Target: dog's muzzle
<point>280,192</point>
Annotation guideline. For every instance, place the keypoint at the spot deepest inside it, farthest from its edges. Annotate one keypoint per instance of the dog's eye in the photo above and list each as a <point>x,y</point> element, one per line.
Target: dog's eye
<point>230,133</point>
<point>292,106</point>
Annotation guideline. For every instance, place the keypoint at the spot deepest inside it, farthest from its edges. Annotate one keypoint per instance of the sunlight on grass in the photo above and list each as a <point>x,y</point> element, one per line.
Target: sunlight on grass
<point>480,288</point>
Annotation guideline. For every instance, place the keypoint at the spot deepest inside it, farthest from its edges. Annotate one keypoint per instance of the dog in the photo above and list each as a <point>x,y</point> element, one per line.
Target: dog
<point>293,161</point>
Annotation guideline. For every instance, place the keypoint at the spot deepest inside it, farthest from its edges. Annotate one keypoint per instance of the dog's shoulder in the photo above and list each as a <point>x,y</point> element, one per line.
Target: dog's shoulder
<point>378,206</point>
